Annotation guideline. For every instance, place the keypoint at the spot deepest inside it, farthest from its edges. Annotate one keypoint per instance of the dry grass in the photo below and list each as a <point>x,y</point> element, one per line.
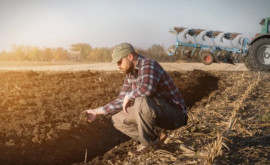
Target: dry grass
<point>216,146</point>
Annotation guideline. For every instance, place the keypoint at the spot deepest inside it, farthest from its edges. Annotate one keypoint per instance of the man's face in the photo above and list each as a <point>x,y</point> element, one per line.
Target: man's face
<point>125,65</point>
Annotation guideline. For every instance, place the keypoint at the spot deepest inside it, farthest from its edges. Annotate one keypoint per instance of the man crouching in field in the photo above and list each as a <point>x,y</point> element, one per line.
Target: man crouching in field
<point>149,99</point>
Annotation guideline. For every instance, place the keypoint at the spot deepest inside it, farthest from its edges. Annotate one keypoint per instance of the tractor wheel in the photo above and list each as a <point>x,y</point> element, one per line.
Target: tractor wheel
<point>207,58</point>
<point>258,57</point>
<point>248,64</point>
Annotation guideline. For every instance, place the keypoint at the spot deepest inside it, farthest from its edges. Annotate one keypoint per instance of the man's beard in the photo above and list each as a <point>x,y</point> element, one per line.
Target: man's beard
<point>129,69</point>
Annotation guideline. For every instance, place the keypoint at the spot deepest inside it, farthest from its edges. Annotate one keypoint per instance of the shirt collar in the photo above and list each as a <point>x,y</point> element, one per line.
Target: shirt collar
<point>138,65</point>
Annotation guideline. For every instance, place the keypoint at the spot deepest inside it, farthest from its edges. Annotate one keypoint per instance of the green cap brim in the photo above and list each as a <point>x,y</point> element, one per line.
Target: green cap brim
<point>115,60</point>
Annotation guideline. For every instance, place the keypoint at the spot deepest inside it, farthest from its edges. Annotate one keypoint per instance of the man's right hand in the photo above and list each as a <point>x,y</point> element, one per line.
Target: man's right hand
<point>92,114</point>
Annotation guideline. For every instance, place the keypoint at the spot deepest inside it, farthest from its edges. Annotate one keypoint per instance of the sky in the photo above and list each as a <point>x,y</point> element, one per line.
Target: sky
<point>105,23</point>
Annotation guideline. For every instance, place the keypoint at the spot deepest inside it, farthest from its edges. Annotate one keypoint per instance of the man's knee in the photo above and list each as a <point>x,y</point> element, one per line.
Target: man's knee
<point>145,105</point>
<point>143,101</point>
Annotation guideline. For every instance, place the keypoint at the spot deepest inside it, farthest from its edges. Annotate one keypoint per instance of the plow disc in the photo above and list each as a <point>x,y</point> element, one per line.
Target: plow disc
<point>209,53</point>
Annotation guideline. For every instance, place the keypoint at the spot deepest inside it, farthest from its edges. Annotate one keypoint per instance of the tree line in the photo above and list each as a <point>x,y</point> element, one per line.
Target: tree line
<point>82,52</point>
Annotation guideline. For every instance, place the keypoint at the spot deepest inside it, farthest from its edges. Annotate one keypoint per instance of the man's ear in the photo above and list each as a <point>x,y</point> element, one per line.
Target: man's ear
<point>130,57</point>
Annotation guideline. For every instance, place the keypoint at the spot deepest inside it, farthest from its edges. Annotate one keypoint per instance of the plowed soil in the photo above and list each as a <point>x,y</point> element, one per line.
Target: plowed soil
<point>39,124</point>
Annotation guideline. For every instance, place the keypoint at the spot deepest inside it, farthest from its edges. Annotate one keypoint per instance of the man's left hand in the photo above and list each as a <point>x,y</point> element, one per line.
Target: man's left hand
<point>125,104</point>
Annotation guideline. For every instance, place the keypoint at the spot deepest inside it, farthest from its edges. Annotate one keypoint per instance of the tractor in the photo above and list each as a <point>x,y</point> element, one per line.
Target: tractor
<point>258,56</point>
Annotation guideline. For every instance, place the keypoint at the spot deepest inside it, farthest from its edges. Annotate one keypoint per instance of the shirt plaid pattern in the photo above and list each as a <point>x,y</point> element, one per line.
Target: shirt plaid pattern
<point>148,79</point>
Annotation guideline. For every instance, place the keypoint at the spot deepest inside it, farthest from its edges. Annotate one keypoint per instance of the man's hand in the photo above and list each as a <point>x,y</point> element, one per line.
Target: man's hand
<point>92,114</point>
<point>125,104</point>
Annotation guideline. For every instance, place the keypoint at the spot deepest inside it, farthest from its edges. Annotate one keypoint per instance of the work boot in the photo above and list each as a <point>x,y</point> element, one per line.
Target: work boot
<point>162,137</point>
<point>156,144</point>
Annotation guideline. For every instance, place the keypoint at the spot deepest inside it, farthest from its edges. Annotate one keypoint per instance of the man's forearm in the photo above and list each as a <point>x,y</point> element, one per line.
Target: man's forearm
<point>100,111</point>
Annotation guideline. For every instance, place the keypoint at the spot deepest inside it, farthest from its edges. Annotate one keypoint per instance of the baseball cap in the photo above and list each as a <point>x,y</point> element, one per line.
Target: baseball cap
<point>121,51</point>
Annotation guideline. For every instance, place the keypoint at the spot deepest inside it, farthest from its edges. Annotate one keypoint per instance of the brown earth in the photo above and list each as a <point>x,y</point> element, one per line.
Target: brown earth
<point>39,124</point>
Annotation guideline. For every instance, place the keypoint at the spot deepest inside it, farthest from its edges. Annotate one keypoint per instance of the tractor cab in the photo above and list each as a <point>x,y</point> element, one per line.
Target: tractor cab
<point>265,25</point>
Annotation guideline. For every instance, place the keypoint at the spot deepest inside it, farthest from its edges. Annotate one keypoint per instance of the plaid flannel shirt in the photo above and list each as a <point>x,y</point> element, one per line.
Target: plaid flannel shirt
<point>148,79</point>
